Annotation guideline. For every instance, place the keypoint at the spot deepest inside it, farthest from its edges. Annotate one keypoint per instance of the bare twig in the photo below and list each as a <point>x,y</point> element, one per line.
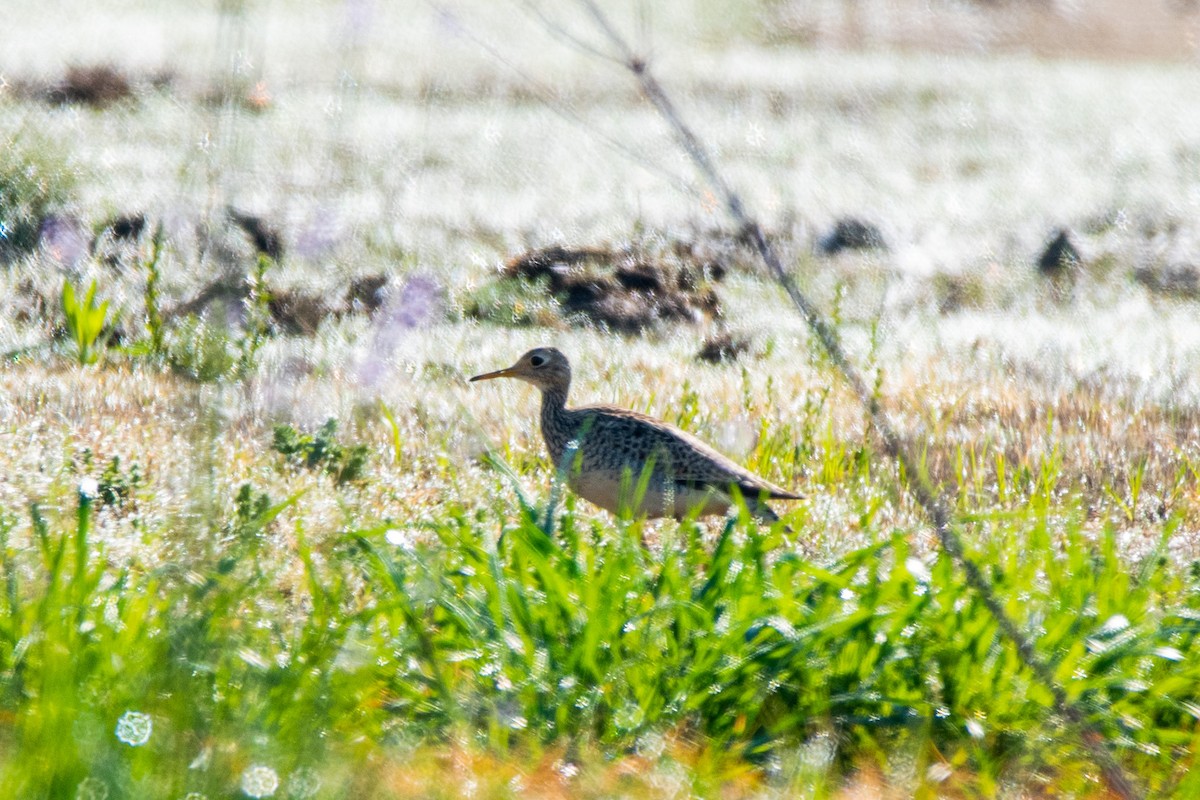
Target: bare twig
<point>931,500</point>
<point>549,98</point>
<point>557,29</point>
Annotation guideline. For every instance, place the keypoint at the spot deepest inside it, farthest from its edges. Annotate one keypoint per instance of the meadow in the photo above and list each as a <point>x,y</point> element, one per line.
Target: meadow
<point>260,538</point>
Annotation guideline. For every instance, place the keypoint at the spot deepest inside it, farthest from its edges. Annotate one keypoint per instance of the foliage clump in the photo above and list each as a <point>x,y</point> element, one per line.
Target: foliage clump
<point>85,321</point>
<point>201,351</point>
<point>118,486</point>
<point>322,450</point>
<point>208,353</point>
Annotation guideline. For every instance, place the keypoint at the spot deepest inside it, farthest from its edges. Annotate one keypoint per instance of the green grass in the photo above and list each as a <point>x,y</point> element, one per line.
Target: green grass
<point>488,630</point>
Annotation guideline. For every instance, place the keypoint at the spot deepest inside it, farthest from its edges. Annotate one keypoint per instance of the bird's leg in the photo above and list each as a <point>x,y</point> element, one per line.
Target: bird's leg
<point>570,464</point>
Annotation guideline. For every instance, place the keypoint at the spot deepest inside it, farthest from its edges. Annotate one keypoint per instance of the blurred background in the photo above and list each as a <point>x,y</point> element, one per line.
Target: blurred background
<point>377,139</point>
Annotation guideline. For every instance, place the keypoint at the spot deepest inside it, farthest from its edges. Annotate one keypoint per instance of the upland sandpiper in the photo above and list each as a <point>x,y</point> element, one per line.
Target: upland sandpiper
<point>623,460</point>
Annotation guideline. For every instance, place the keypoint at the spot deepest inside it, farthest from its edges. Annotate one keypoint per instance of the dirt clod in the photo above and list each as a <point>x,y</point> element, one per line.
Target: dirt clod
<point>127,226</point>
<point>721,348</point>
<point>95,85</point>
<point>627,289</point>
<point>1180,280</point>
<point>293,311</point>
<point>298,313</point>
<point>116,242</point>
<point>263,235</point>
<point>851,233</point>
<point>1060,255</point>
<point>366,293</point>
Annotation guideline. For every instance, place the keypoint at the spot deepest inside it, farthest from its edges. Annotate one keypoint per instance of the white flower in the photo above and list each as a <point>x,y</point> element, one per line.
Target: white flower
<point>259,781</point>
<point>916,567</point>
<point>89,488</point>
<point>134,728</point>
<point>403,539</point>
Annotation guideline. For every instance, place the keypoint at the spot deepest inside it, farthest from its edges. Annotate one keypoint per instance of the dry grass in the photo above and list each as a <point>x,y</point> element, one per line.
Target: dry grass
<point>989,439</point>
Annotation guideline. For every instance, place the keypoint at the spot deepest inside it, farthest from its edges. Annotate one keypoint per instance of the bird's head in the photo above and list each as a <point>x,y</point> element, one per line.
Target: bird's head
<point>544,367</point>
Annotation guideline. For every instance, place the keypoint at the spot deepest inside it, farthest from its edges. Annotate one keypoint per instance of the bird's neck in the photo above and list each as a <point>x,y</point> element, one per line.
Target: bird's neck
<point>556,423</point>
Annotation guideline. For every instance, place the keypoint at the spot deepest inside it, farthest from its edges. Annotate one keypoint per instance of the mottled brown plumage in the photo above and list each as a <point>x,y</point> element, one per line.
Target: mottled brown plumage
<point>620,459</point>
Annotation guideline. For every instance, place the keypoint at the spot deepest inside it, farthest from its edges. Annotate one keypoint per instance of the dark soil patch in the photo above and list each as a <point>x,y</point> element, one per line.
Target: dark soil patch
<point>31,305</point>
<point>127,226</point>
<point>1181,280</point>
<point>265,237</point>
<point>1060,255</point>
<point>116,243</point>
<point>95,85</point>
<point>294,312</point>
<point>628,289</point>
<point>298,313</point>
<point>851,233</point>
<point>221,290</point>
<point>722,348</point>
<point>367,293</point>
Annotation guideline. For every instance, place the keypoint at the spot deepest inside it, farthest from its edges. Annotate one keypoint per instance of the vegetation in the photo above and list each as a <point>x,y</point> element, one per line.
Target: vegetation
<point>494,632</point>
<point>322,450</point>
<point>246,558</point>
<point>155,332</point>
<point>85,321</point>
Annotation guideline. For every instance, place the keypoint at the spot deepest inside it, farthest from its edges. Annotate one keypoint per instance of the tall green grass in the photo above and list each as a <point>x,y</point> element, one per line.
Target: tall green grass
<point>521,631</point>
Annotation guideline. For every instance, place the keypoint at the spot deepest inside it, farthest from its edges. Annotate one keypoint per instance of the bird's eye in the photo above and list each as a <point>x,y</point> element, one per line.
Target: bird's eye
<point>537,361</point>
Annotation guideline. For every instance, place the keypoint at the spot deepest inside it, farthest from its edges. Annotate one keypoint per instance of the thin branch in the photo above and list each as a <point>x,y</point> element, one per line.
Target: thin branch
<point>918,483</point>
<point>547,95</point>
<point>557,29</point>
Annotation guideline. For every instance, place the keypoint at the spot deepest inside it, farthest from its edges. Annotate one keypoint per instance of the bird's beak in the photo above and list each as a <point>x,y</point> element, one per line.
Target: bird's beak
<point>507,372</point>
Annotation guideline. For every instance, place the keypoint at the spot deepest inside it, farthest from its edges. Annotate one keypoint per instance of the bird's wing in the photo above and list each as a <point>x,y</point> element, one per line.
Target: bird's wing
<point>692,461</point>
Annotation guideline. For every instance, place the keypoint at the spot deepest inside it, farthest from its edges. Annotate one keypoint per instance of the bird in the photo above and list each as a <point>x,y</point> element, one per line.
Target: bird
<point>623,461</point>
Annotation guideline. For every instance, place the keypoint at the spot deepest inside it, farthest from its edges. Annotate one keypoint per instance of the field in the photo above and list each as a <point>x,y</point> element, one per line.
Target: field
<point>260,537</point>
